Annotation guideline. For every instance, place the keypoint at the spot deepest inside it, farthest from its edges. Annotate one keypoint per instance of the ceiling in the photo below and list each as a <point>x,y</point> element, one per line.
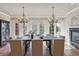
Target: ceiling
<point>37,9</point>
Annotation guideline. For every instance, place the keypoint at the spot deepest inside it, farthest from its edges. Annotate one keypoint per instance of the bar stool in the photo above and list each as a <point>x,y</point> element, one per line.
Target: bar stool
<point>37,47</point>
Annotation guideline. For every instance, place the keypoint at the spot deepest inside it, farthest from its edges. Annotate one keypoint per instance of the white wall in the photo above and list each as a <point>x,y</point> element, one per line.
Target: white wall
<point>29,26</point>
<point>66,24</point>
<point>38,21</point>
<point>12,28</point>
<point>4,16</point>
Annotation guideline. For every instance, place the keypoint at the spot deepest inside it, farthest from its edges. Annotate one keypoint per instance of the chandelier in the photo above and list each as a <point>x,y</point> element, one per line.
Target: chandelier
<point>52,19</point>
<point>23,19</point>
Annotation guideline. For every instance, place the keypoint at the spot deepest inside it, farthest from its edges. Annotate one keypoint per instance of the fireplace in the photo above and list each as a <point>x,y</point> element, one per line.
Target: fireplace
<point>74,37</point>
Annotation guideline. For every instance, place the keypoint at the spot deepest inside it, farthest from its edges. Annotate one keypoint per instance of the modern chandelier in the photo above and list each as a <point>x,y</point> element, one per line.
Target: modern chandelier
<point>23,19</point>
<point>53,19</point>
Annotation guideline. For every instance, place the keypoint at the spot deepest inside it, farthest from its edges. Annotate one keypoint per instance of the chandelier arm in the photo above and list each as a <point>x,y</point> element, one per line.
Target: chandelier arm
<point>49,22</point>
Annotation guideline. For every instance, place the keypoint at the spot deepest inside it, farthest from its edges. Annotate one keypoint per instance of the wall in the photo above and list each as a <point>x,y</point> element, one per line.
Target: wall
<point>29,26</point>
<point>39,21</point>
<point>4,16</point>
<point>66,24</point>
<point>12,28</point>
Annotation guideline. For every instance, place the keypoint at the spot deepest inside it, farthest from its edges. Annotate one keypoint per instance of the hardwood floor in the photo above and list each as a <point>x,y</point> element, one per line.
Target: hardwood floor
<point>68,51</point>
<point>71,52</point>
<point>5,51</point>
<point>45,52</point>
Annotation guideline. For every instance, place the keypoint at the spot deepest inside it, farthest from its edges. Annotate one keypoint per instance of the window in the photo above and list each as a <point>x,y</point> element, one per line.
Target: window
<point>51,29</point>
<point>24,29</point>
<point>34,28</point>
<point>41,29</point>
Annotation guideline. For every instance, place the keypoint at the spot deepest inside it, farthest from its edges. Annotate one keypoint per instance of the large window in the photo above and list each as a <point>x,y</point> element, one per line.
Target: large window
<point>34,28</point>
<point>38,28</point>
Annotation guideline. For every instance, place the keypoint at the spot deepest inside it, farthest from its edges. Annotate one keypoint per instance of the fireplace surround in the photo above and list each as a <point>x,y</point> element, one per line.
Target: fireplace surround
<point>74,37</point>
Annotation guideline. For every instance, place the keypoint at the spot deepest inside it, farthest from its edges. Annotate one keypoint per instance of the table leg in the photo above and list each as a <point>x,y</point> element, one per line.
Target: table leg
<point>50,47</point>
<point>27,45</point>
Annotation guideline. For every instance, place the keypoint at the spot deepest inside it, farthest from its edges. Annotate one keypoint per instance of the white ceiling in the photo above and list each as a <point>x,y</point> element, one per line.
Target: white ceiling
<point>37,9</point>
